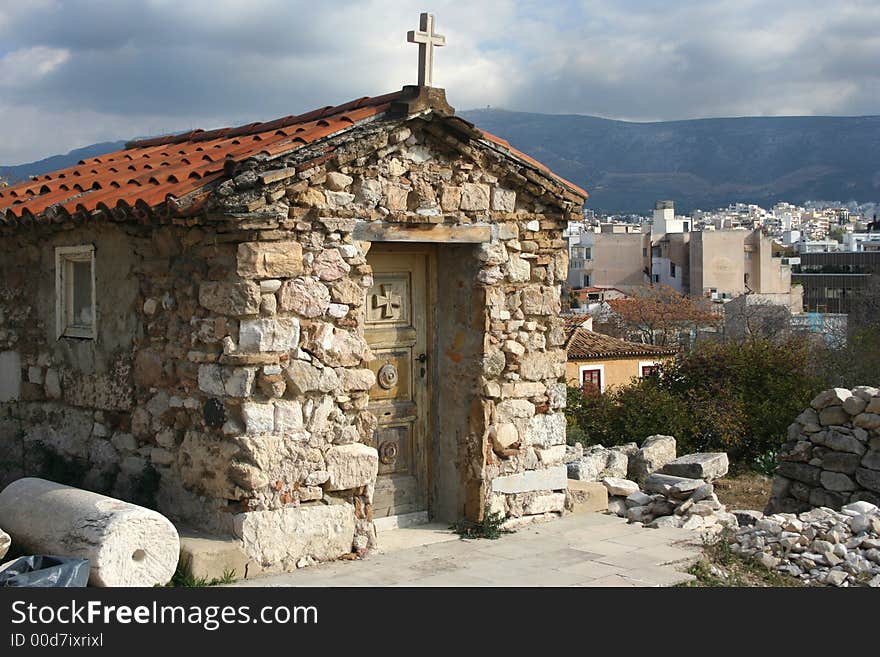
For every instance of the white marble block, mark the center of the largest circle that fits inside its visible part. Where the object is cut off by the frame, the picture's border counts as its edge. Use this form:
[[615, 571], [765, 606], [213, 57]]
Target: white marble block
[[126, 545]]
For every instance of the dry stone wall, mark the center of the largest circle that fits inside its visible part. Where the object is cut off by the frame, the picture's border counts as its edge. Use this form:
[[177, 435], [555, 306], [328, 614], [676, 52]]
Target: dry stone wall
[[832, 456], [230, 382]]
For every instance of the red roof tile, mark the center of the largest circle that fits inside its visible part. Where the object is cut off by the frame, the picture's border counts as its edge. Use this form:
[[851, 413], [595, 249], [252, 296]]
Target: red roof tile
[[149, 171], [587, 345]]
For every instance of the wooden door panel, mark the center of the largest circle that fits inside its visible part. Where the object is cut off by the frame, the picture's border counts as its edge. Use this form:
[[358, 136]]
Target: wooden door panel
[[393, 370], [399, 494], [395, 449]]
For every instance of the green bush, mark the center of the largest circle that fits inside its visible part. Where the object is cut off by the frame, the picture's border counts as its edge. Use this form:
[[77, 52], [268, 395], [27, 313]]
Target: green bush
[[733, 397]]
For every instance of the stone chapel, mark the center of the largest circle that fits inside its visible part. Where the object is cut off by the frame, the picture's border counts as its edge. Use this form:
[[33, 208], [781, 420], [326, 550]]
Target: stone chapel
[[288, 333]]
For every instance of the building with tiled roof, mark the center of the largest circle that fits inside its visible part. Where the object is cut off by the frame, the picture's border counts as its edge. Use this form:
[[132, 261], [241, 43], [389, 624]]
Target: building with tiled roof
[[604, 361], [289, 333]]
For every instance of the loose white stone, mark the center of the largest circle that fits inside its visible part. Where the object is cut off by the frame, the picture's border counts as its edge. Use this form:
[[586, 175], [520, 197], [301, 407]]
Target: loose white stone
[[656, 451], [617, 486], [707, 466], [638, 498], [126, 545], [617, 506], [835, 578], [5, 542], [859, 508]]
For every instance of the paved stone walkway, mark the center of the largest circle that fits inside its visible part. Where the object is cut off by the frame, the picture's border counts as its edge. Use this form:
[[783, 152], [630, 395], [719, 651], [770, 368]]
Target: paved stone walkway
[[576, 550]]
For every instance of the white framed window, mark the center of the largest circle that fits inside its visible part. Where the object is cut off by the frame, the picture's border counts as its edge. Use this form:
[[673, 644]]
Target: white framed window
[[648, 368], [75, 292], [592, 375]]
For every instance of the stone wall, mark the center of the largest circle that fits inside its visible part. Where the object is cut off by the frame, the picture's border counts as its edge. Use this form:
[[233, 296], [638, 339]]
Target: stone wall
[[231, 375], [832, 456], [65, 405]]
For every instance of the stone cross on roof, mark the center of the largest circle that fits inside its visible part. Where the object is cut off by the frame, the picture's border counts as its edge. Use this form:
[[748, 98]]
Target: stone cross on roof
[[426, 39]]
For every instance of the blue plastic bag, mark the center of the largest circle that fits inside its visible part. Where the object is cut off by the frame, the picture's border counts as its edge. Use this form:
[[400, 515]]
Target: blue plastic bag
[[46, 571]]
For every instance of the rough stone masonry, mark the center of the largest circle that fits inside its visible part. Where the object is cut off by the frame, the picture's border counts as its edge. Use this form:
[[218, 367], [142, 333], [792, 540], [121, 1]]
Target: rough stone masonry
[[229, 380], [832, 456]]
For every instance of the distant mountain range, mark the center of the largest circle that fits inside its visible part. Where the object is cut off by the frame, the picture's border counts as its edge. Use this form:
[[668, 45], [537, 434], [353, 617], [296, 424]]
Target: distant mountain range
[[700, 163]]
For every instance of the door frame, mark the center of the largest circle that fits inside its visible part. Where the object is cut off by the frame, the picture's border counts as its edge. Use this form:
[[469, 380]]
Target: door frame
[[429, 251]]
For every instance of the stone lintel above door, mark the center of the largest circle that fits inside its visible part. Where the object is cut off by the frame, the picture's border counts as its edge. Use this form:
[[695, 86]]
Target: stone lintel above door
[[378, 231]]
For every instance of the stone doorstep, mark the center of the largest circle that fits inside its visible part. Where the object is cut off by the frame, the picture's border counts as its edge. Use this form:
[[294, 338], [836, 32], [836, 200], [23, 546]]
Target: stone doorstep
[[401, 521], [209, 557], [412, 536]]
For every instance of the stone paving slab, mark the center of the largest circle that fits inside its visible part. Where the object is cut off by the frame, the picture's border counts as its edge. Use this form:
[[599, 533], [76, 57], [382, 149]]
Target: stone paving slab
[[576, 550]]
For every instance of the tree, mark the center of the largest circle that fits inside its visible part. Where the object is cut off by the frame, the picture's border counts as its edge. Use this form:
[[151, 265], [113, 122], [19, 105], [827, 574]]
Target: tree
[[749, 316], [658, 314], [836, 234], [732, 397]]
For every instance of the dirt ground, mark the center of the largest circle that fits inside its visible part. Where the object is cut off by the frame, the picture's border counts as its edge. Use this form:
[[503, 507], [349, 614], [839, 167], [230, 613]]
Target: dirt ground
[[744, 491]]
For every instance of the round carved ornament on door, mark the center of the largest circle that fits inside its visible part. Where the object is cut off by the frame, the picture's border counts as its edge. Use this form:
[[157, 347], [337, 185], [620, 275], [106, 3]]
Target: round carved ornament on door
[[388, 452], [387, 376]]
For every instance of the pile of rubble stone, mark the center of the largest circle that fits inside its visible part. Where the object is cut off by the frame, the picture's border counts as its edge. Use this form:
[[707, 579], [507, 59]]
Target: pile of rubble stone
[[653, 487], [836, 548]]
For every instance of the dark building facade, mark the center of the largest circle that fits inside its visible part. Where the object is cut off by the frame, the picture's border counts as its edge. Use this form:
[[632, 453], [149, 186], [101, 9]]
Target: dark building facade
[[832, 280]]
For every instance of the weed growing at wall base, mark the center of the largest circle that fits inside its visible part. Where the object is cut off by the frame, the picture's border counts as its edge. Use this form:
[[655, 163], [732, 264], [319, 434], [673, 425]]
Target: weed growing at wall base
[[491, 527]]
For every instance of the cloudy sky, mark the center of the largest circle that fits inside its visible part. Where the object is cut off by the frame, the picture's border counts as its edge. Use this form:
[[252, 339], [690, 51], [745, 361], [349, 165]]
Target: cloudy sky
[[74, 72]]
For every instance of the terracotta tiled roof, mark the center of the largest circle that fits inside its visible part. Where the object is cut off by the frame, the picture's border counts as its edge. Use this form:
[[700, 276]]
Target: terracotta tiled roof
[[148, 172], [504, 144], [151, 172], [571, 322], [587, 345]]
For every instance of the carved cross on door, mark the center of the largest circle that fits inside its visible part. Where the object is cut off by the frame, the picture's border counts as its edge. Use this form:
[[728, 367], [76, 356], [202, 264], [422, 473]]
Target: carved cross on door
[[388, 301], [427, 39]]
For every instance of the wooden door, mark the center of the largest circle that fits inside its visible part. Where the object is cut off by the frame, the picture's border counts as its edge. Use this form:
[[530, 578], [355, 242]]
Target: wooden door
[[397, 328]]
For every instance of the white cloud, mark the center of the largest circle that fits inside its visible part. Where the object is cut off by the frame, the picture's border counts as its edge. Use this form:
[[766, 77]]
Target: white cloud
[[146, 67], [26, 66]]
